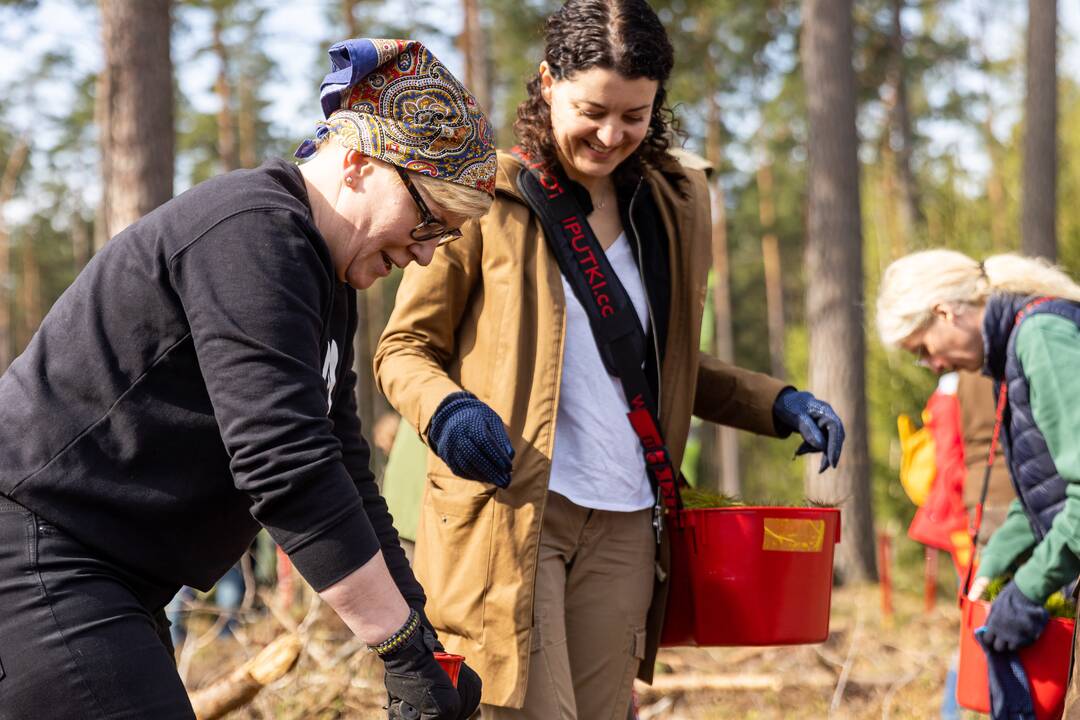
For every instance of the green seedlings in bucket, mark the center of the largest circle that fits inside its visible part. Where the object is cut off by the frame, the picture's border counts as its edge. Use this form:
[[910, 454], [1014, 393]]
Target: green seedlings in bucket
[[1057, 604], [700, 499], [1061, 606]]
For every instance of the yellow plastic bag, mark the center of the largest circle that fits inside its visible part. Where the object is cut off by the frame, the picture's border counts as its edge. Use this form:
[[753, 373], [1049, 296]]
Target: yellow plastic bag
[[917, 465]]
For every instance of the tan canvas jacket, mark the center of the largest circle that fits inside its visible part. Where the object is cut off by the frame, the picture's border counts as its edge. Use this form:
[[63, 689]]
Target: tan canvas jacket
[[487, 315]]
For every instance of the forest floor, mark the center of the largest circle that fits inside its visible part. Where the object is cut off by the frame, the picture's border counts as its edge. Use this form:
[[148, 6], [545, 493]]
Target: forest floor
[[870, 667]]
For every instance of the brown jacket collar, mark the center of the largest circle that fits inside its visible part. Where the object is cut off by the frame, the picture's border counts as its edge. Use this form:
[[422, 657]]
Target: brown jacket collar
[[671, 174]]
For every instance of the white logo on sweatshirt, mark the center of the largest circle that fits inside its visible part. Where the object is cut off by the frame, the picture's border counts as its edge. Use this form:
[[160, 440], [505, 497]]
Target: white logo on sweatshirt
[[329, 372]]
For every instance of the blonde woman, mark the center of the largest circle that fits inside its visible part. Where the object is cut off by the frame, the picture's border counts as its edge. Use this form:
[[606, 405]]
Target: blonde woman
[[1016, 319]]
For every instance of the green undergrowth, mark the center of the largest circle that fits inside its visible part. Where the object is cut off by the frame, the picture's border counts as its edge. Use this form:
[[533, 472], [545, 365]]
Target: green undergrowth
[[700, 499]]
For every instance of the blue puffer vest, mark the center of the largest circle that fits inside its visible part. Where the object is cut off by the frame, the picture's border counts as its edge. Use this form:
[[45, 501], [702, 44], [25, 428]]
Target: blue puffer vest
[[1035, 477]]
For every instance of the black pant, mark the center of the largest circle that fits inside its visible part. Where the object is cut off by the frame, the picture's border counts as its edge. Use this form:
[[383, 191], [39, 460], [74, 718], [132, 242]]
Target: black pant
[[79, 636]]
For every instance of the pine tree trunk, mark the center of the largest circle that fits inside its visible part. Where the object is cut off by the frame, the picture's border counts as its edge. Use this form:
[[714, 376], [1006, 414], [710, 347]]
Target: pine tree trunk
[[995, 188], [726, 439], [834, 297], [370, 403], [995, 180], [29, 292], [228, 155], [774, 279], [81, 242], [135, 112], [1038, 224], [901, 132], [247, 125], [474, 48], [12, 168], [348, 17]]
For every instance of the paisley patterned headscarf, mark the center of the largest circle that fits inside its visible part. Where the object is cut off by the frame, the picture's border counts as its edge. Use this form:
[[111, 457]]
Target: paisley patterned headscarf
[[393, 100]]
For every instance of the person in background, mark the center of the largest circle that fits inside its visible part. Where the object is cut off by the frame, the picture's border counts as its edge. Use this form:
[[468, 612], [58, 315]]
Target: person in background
[[195, 383], [959, 416], [1016, 319], [403, 484], [552, 572]]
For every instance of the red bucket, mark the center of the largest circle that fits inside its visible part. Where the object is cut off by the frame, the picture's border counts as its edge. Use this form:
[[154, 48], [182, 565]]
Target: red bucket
[[1046, 664], [451, 665], [751, 576]]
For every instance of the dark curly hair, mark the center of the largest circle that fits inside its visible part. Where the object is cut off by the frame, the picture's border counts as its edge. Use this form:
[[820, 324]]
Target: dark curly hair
[[621, 35]]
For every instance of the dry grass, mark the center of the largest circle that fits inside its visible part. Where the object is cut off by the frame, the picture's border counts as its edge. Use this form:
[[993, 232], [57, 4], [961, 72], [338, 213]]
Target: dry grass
[[867, 669]]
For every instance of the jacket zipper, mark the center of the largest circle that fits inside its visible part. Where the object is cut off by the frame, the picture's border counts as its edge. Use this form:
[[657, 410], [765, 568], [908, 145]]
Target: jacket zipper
[[648, 303]]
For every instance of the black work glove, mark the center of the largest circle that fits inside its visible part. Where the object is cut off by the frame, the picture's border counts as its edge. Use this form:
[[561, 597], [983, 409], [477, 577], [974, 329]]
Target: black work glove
[[470, 438], [1014, 621], [469, 684], [820, 426], [417, 688]]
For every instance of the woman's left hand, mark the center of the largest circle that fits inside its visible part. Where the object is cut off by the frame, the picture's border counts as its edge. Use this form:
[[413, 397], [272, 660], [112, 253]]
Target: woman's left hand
[[1015, 620], [821, 428]]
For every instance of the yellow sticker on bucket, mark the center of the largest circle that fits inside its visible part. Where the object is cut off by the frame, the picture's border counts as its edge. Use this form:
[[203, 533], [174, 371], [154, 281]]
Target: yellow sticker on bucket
[[794, 535]]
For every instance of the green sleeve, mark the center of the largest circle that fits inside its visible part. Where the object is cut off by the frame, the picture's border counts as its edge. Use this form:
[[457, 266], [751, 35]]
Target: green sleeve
[[1011, 541], [1048, 347]]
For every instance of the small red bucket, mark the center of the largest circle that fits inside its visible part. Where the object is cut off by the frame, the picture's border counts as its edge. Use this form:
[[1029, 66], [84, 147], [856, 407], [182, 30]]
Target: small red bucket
[[451, 665], [1046, 663], [751, 576]]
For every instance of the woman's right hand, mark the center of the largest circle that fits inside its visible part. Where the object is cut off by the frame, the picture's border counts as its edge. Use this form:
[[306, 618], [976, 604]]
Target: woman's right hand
[[417, 687], [470, 438], [978, 588]]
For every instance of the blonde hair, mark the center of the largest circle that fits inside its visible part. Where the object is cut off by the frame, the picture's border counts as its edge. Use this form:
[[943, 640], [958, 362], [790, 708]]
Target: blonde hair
[[916, 284], [452, 197]]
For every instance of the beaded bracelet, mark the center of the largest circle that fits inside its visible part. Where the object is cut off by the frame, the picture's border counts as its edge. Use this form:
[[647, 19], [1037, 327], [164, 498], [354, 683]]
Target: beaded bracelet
[[399, 638]]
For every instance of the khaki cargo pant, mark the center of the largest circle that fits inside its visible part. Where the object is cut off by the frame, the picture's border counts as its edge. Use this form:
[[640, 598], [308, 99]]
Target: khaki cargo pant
[[594, 583], [1072, 697]]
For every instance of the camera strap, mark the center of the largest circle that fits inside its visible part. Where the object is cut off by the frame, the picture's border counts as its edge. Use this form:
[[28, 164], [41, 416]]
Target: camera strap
[[612, 318]]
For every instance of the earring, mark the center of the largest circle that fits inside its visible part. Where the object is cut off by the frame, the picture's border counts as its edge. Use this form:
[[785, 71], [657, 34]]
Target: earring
[[348, 181]]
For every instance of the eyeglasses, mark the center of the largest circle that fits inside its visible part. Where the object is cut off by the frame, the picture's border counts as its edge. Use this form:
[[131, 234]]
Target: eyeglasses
[[430, 227]]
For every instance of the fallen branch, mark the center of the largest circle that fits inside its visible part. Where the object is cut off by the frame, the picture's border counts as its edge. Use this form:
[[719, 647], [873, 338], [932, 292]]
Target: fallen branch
[[244, 683], [687, 683], [690, 683], [841, 683]]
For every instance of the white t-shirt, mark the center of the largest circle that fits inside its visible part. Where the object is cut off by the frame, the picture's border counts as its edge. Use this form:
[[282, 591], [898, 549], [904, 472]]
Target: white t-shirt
[[597, 461]]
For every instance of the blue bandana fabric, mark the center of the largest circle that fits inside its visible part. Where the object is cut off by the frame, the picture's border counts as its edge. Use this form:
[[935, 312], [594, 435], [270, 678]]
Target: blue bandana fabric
[[393, 100]]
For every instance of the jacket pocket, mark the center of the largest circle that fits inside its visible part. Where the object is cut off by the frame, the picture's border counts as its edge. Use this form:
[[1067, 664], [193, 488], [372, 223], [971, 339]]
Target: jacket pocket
[[453, 552]]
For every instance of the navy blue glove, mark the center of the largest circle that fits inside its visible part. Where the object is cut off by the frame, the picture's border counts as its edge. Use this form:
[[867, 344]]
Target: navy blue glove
[[1010, 692], [820, 427], [471, 440], [1014, 622]]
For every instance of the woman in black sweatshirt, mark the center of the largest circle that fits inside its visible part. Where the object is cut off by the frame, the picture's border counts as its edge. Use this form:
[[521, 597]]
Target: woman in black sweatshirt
[[195, 384]]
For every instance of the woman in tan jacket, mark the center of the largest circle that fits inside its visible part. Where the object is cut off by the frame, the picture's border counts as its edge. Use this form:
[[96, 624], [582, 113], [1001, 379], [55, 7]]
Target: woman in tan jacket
[[554, 584]]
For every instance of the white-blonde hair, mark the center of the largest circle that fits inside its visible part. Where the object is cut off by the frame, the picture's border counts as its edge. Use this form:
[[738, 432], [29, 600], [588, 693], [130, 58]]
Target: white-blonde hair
[[916, 284], [451, 197]]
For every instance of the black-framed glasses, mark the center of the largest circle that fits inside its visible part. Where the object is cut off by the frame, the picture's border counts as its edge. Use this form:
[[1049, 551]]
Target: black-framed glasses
[[430, 227]]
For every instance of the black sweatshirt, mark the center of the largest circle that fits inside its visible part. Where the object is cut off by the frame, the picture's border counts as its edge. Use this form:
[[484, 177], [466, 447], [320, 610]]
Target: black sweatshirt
[[195, 382]]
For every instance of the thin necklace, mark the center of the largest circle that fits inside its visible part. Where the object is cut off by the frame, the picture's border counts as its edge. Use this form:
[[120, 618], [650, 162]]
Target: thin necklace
[[599, 204]]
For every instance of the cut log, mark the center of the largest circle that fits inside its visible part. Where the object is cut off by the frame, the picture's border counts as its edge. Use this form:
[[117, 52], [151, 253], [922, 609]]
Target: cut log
[[244, 683]]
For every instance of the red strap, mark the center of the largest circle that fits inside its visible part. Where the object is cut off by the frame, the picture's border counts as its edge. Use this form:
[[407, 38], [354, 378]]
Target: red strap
[[657, 458]]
